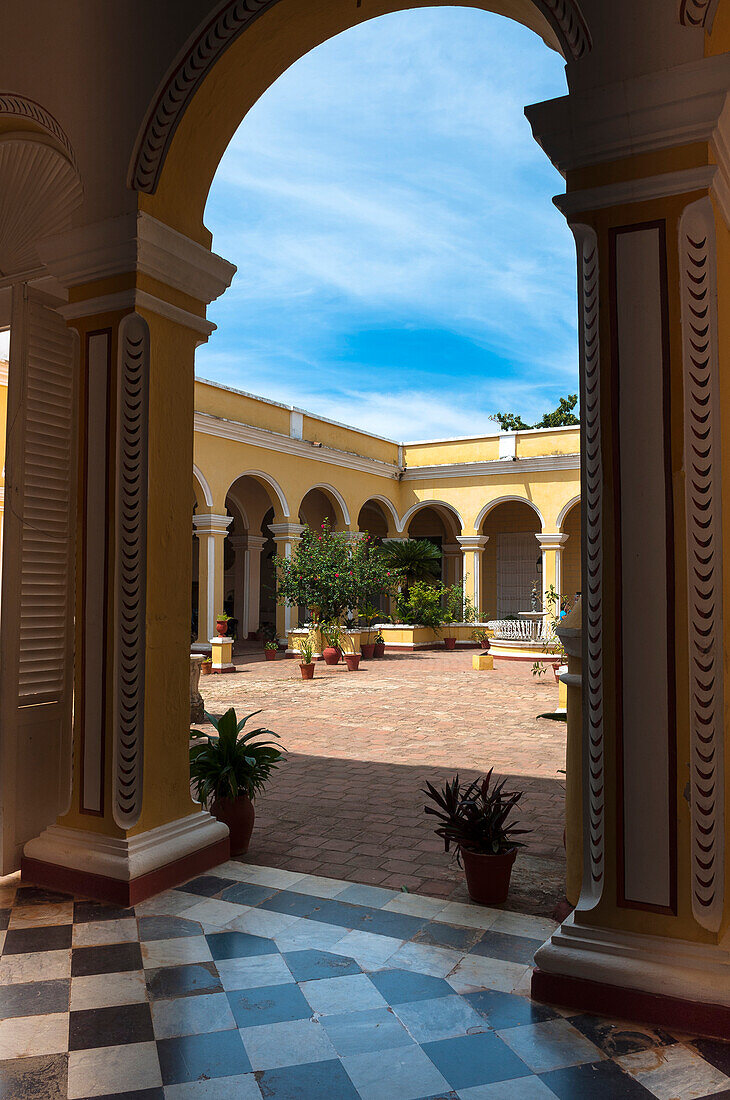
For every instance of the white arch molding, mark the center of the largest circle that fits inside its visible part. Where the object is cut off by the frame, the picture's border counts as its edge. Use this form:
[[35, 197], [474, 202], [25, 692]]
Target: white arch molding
[[270, 482], [508, 500], [564, 511], [429, 504], [389, 506], [200, 478], [325, 488]]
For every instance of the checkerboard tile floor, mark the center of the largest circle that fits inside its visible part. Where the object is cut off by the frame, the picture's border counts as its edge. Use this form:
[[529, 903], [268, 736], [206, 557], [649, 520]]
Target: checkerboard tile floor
[[254, 983]]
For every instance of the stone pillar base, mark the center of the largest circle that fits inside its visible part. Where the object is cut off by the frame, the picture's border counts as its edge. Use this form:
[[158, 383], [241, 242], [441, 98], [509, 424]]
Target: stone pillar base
[[124, 871], [675, 984], [482, 662]]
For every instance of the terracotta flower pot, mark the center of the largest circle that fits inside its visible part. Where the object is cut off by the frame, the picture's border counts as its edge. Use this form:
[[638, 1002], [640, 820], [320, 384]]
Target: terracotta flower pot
[[558, 671], [206, 668], [368, 650], [239, 815], [331, 655], [307, 671], [222, 627], [379, 649], [270, 654], [487, 876], [450, 643], [352, 660]]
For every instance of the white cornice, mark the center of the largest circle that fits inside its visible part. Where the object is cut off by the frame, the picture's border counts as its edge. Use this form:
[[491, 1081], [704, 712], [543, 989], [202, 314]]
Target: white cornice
[[538, 464], [131, 299], [284, 444], [652, 187]]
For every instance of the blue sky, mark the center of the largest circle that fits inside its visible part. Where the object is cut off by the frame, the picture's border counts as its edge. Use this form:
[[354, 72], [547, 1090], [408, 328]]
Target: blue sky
[[400, 264]]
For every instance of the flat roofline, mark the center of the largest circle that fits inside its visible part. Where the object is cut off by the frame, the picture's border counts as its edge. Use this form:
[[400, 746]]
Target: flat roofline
[[373, 435]]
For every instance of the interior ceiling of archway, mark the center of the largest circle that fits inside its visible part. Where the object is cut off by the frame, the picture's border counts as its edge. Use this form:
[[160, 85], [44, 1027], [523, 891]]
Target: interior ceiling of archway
[[391, 219]]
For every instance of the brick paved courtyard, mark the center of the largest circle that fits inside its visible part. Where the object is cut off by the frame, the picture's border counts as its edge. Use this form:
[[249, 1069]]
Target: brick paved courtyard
[[347, 804]]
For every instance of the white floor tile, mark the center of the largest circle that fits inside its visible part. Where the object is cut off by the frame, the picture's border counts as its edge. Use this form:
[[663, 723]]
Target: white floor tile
[[416, 906], [34, 916], [26, 1036], [554, 1044], [105, 1069], [107, 990], [213, 911], [253, 972], [263, 922], [475, 972], [468, 916], [669, 1072], [436, 961], [176, 952], [319, 887], [370, 951], [101, 932], [40, 966]]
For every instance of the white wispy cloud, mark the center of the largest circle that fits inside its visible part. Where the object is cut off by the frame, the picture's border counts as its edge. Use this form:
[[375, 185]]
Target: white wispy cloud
[[389, 179]]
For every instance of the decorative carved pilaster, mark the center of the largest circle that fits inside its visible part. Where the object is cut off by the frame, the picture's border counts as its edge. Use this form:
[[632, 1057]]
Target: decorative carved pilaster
[[130, 568], [592, 494], [231, 20], [704, 557], [697, 13]]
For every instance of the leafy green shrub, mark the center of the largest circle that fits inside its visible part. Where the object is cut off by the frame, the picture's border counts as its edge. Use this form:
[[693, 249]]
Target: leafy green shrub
[[421, 605], [230, 765]]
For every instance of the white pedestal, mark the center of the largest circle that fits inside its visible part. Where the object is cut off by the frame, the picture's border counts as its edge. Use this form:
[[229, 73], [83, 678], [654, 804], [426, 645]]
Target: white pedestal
[[222, 654]]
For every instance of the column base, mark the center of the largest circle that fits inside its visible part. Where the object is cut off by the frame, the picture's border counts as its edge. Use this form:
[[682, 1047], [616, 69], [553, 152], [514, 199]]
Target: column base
[[223, 669], [649, 979], [124, 871]]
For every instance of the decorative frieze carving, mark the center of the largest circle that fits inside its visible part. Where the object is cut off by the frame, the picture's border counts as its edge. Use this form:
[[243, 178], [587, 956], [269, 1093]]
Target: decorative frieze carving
[[588, 282], [22, 107], [697, 13], [231, 20], [130, 568], [704, 557]]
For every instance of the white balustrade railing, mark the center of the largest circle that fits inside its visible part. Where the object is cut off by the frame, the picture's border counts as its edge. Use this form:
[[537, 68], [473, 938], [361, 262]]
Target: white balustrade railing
[[521, 630]]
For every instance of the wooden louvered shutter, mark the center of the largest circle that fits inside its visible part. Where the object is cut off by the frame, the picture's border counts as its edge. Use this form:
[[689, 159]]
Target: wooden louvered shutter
[[37, 622]]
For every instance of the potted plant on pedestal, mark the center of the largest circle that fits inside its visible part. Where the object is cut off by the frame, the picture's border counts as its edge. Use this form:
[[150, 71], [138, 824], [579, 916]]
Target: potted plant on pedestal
[[228, 771], [221, 624], [206, 666], [271, 648], [475, 821], [306, 652]]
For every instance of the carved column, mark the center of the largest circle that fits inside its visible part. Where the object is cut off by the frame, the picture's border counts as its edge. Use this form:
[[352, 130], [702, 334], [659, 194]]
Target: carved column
[[551, 545], [287, 537], [211, 530], [472, 548], [254, 546]]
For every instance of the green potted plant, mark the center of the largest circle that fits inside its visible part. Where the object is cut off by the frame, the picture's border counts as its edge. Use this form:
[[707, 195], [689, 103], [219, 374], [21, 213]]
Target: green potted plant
[[306, 652], [352, 658], [474, 820], [454, 610], [271, 648], [221, 624], [332, 638], [379, 647], [230, 770], [206, 666], [367, 643]]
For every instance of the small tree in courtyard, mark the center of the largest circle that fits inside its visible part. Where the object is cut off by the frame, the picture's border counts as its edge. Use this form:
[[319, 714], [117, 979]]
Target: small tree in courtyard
[[331, 575]]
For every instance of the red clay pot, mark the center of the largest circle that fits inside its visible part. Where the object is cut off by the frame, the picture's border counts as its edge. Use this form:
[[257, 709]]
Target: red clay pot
[[222, 627], [331, 655], [379, 649], [206, 668], [450, 643], [368, 650], [270, 654], [307, 671], [487, 876], [239, 815], [352, 660]]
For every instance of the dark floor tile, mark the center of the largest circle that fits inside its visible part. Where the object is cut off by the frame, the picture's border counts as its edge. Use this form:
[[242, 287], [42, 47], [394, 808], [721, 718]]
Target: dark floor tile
[[247, 893], [714, 1052], [206, 885], [85, 911], [507, 1009], [111, 959], [597, 1080], [286, 901], [110, 1027], [271, 1004], [239, 945], [616, 1037], [473, 1060], [144, 1094], [37, 895], [40, 1078], [167, 928], [308, 965], [200, 1057], [500, 945], [384, 923], [446, 935], [405, 986], [34, 999], [312, 1081], [442, 1096], [4, 918], [24, 941], [182, 981]]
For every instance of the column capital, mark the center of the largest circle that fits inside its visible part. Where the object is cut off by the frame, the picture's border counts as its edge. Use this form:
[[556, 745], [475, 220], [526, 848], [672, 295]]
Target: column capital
[[450, 548], [209, 523], [286, 532], [475, 543], [355, 536], [395, 538], [551, 540], [256, 542]]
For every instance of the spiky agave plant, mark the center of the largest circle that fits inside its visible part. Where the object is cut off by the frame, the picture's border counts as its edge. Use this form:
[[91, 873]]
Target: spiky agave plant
[[475, 817], [232, 764]]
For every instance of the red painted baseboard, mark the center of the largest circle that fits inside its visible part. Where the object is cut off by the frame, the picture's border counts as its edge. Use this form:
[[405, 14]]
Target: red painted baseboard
[[690, 1017], [114, 891]]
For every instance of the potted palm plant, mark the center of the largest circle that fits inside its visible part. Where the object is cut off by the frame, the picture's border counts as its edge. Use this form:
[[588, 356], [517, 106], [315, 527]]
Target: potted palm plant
[[332, 637], [474, 820], [379, 648], [306, 652], [230, 770]]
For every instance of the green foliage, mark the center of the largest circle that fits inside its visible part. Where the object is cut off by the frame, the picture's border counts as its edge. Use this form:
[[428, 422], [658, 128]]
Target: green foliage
[[454, 603], [271, 644], [232, 763], [330, 573], [420, 605], [561, 417], [413, 560], [222, 617], [306, 649], [475, 818]]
